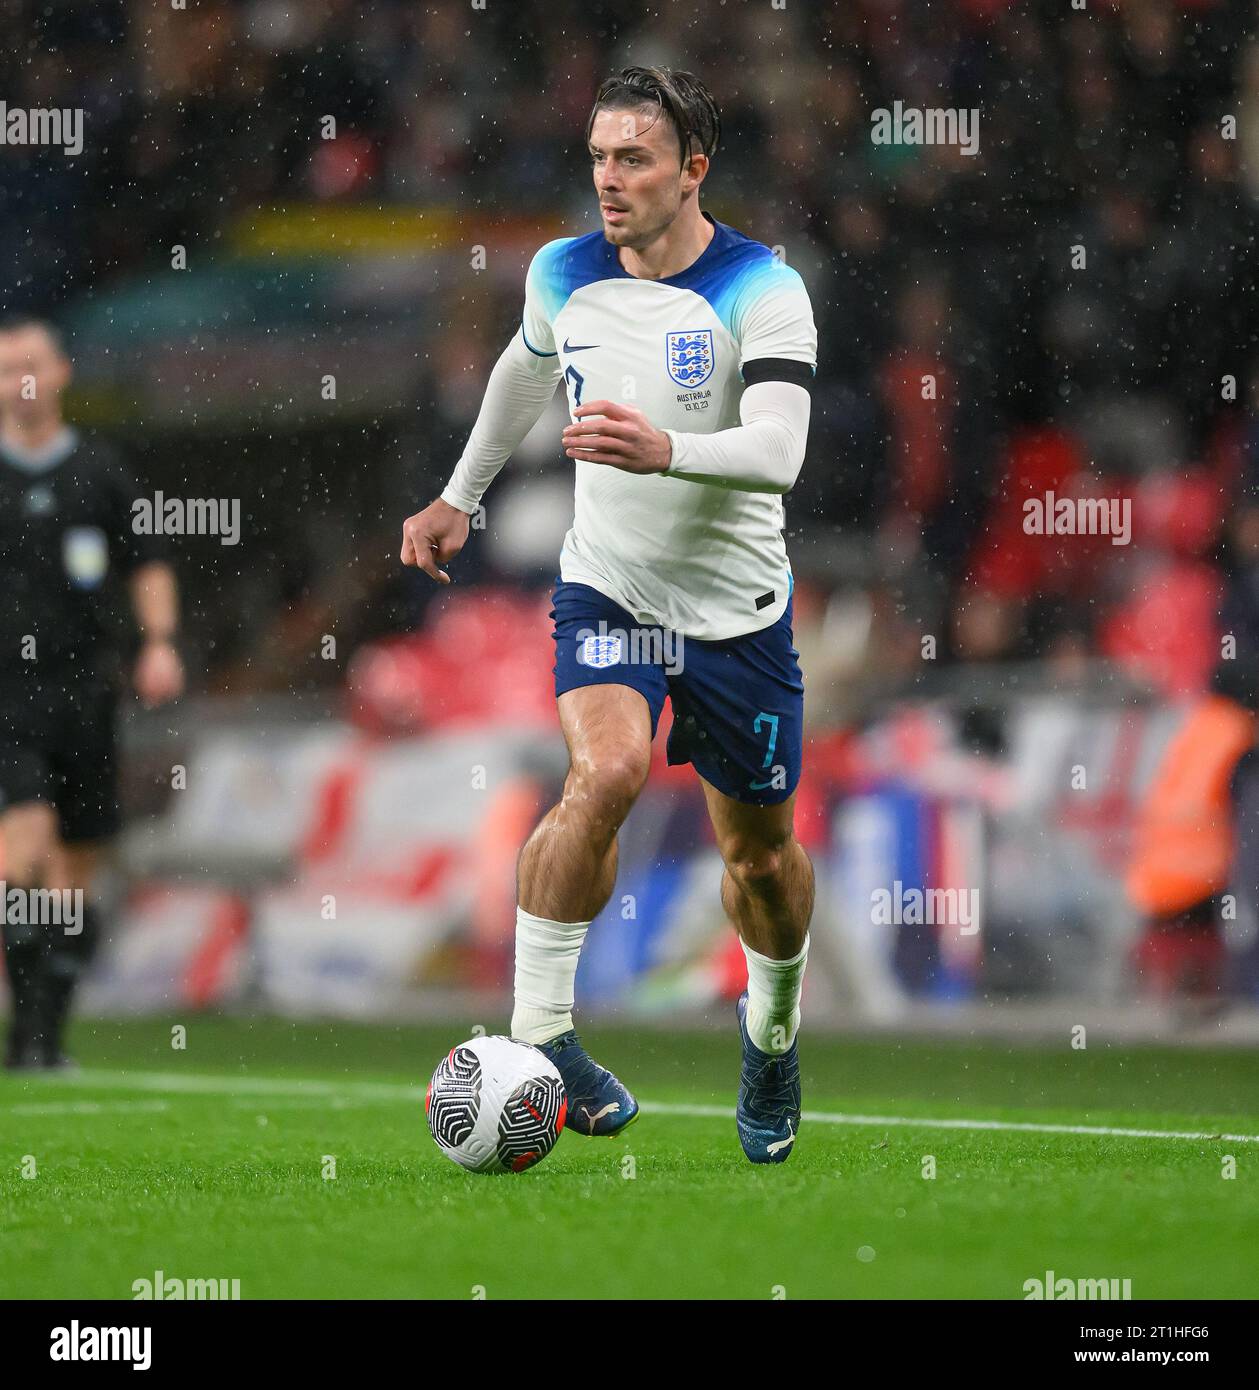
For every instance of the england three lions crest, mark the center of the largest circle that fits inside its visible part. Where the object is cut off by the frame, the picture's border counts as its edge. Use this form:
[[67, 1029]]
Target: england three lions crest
[[690, 357]]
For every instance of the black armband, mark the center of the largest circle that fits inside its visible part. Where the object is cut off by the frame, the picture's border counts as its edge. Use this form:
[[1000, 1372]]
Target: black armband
[[777, 369]]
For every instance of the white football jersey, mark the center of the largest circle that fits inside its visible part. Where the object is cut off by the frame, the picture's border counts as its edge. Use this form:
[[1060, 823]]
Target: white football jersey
[[704, 560]]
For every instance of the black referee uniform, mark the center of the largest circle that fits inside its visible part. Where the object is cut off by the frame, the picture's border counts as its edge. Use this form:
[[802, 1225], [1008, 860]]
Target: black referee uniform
[[67, 545]]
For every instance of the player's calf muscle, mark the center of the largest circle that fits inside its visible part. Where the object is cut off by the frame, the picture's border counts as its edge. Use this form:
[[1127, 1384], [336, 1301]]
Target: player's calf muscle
[[768, 896], [568, 868], [563, 877]]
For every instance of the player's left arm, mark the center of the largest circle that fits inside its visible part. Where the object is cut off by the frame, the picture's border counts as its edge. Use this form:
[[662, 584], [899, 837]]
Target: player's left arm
[[154, 591], [159, 672], [762, 454], [765, 451]]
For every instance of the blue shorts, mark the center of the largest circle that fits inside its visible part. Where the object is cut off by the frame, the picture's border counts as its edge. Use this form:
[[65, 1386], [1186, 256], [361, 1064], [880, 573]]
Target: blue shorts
[[738, 704]]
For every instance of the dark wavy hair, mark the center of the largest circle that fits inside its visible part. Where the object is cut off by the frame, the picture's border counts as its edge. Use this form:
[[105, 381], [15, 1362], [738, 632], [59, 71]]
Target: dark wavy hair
[[681, 96], [17, 323]]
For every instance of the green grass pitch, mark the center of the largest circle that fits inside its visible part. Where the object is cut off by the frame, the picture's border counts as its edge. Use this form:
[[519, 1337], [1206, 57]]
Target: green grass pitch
[[210, 1163]]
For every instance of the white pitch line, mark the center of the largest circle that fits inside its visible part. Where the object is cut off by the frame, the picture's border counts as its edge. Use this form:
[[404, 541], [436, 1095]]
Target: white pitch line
[[91, 1107], [262, 1086], [337, 1102], [198, 1083], [822, 1117]]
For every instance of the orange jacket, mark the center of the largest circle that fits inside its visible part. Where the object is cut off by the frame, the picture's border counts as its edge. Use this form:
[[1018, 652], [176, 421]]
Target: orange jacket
[[1183, 842]]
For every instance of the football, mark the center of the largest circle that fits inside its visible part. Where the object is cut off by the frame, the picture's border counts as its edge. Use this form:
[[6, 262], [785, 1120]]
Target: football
[[496, 1105]]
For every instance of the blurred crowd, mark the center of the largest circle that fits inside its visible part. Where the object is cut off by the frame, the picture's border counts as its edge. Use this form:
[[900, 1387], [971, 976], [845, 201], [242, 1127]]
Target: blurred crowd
[[1081, 292]]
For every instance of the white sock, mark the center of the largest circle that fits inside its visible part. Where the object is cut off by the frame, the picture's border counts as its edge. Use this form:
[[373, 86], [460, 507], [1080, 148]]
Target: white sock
[[546, 969], [774, 998]]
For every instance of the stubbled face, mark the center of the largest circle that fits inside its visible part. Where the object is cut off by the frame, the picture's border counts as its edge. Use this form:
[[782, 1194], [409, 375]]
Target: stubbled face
[[31, 365], [637, 174]]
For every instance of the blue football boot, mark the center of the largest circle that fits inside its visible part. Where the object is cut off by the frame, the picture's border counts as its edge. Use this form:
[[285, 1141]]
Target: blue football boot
[[598, 1105], [768, 1113]]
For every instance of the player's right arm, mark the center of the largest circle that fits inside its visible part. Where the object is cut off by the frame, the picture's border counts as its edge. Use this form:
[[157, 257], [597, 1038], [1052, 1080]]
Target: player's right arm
[[519, 389]]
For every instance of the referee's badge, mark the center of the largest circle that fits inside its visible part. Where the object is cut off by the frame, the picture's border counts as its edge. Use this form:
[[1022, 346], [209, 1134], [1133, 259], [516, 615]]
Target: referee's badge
[[601, 650], [690, 356], [85, 554]]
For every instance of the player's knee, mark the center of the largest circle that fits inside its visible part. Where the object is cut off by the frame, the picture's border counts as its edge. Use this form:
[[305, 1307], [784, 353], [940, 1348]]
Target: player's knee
[[30, 836], [758, 865], [610, 780]]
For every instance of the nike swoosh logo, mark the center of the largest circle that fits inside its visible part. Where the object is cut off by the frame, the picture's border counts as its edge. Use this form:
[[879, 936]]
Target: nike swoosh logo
[[595, 1118], [782, 1143], [578, 347]]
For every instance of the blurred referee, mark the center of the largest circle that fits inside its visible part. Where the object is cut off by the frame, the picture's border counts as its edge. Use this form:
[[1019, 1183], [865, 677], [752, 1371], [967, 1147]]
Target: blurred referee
[[66, 537]]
